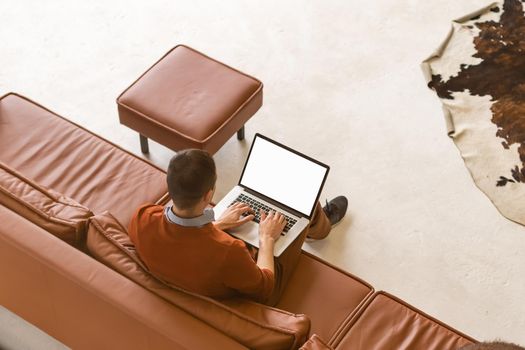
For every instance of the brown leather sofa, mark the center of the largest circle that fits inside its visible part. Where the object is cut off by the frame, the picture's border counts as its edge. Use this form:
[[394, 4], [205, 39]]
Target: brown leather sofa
[[68, 267]]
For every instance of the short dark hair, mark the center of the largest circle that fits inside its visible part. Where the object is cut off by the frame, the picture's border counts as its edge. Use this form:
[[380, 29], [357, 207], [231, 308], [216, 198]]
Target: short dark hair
[[493, 345], [191, 174]]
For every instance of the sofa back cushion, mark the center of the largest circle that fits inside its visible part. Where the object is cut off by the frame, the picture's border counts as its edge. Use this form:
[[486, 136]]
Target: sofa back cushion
[[254, 325], [54, 212]]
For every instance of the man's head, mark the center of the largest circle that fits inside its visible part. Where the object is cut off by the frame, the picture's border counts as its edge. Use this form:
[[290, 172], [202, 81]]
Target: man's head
[[191, 178]]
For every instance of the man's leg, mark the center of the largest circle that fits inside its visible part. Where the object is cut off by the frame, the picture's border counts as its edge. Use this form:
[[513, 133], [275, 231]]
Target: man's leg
[[320, 225], [285, 264], [284, 267]]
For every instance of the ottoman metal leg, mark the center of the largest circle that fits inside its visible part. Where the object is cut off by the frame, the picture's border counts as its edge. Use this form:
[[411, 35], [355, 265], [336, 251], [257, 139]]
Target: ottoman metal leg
[[240, 134], [144, 144]]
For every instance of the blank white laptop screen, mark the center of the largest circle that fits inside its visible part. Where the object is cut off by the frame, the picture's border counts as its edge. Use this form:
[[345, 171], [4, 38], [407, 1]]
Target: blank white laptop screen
[[283, 175]]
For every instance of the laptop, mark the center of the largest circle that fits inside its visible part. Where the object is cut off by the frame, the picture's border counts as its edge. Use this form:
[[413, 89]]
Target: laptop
[[276, 177]]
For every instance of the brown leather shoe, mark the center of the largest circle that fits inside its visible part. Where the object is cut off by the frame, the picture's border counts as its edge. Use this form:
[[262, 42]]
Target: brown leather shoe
[[336, 209]]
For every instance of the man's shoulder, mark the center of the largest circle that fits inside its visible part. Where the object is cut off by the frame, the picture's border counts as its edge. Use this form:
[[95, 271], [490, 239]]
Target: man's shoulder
[[145, 214], [148, 209]]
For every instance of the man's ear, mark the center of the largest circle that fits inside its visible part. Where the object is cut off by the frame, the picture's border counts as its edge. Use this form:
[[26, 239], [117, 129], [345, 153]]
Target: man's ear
[[209, 195]]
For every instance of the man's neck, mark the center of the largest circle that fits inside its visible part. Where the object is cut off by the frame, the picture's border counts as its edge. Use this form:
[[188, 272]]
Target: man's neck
[[187, 214]]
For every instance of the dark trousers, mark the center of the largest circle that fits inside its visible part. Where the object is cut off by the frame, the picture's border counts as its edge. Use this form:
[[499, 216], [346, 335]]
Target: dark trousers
[[285, 264]]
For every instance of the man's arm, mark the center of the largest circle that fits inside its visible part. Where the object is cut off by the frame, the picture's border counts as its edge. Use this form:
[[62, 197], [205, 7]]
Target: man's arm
[[255, 279], [243, 274]]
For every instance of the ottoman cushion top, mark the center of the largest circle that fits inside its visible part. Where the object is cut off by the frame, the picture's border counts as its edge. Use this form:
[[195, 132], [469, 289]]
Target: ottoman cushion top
[[190, 93]]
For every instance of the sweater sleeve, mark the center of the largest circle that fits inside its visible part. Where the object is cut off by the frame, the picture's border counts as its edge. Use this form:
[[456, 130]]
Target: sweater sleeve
[[242, 274]]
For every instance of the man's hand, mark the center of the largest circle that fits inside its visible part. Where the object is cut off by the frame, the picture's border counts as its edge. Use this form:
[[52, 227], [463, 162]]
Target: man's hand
[[271, 226], [231, 217]]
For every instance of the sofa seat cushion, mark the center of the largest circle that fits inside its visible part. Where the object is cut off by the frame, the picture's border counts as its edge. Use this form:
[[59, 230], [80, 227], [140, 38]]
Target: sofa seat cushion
[[56, 213], [254, 325], [328, 295], [390, 323], [61, 155]]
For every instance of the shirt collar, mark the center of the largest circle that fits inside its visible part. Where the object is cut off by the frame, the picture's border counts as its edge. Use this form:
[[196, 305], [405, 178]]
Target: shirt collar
[[199, 221]]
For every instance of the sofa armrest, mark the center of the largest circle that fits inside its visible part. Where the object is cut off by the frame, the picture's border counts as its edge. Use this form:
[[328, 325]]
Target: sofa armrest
[[83, 303]]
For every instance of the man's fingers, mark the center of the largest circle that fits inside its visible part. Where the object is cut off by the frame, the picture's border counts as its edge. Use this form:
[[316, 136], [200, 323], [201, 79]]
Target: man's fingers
[[247, 218], [263, 214], [244, 208], [241, 206]]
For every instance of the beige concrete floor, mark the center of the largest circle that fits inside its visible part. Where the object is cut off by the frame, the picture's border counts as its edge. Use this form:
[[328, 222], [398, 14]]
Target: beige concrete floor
[[342, 84], [17, 334]]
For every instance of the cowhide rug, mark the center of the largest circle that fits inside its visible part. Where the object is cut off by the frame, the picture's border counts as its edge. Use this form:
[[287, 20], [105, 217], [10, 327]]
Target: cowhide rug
[[479, 75]]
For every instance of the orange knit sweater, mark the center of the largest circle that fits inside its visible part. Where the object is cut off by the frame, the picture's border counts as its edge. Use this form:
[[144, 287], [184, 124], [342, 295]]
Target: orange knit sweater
[[203, 259]]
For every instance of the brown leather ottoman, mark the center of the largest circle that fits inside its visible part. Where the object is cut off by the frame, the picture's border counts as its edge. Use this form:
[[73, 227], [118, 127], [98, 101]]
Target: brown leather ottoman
[[189, 100]]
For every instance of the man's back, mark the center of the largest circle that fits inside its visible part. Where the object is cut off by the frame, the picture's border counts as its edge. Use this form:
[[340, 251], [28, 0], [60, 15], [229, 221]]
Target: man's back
[[195, 255]]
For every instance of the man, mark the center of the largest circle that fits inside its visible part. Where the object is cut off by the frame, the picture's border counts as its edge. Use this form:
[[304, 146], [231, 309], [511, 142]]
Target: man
[[184, 245]]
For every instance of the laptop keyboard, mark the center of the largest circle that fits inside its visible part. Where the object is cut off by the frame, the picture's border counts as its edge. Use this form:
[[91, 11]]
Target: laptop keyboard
[[256, 205]]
